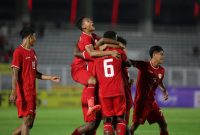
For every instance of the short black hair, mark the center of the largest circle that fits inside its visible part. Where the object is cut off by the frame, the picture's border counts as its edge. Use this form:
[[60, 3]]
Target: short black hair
[[110, 34], [122, 40], [26, 31], [80, 22], [155, 49]]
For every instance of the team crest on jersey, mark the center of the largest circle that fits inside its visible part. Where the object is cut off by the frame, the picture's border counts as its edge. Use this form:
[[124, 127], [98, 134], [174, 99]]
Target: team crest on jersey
[[159, 76]]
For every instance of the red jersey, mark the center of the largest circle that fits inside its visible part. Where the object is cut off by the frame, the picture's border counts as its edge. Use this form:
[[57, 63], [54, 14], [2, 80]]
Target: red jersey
[[84, 40], [26, 61], [108, 71], [148, 80]]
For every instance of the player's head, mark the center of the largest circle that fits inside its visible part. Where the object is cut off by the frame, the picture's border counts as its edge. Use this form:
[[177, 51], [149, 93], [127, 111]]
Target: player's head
[[157, 53], [111, 35], [28, 34], [122, 40], [85, 24]]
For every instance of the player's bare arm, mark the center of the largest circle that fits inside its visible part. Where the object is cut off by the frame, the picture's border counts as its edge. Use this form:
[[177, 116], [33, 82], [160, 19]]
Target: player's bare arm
[[95, 53], [129, 63], [77, 52], [164, 90], [104, 46], [13, 94], [47, 77], [103, 41], [106, 42]]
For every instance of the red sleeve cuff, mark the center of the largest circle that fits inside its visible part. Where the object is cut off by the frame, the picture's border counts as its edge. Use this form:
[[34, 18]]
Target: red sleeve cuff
[[14, 66]]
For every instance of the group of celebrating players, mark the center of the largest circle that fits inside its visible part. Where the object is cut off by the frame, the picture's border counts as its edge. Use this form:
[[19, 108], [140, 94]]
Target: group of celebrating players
[[101, 66]]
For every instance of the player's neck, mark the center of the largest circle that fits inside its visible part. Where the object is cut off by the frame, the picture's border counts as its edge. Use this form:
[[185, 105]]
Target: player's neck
[[26, 45], [88, 32], [154, 63]]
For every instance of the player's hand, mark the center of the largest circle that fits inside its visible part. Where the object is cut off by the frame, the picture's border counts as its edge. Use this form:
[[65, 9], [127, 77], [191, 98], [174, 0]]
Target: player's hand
[[13, 96], [55, 79], [122, 45], [165, 95], [115, 54], [103, 47]]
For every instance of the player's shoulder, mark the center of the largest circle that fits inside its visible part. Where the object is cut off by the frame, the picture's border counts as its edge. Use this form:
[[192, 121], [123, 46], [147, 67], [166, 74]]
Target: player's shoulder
[[33, 50], [95, 36], [161, 68], [18, 49], [145, 63], [97, 61], [85, 35]]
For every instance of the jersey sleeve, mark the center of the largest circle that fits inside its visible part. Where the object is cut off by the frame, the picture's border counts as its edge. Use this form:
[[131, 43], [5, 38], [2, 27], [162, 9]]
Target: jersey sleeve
[[87, 56], [84, 41], [138, 64], [123, 54], [16, 61]]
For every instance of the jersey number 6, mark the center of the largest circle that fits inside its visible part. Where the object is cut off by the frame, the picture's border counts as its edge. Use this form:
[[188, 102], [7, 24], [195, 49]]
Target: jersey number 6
[[108, 68]]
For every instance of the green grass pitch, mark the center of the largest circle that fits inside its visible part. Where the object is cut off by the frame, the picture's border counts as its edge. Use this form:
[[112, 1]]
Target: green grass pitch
[[63, 121]]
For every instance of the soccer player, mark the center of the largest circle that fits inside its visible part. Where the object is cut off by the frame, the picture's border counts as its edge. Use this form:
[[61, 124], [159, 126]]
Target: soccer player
[[108, 71], [81, 71], [150, 76], [24, 74]]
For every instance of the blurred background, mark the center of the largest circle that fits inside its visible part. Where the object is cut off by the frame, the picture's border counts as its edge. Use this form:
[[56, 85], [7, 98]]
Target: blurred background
[[172, 24]]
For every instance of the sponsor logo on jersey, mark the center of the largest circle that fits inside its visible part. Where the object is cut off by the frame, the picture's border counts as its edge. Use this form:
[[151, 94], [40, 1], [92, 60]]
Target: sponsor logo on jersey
[[159, 76]]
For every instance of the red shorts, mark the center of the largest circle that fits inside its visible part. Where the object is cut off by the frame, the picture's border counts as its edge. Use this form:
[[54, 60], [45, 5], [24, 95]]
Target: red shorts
[[80, 75], [150, 112], [26, 107], [85, 106], [113, 106]]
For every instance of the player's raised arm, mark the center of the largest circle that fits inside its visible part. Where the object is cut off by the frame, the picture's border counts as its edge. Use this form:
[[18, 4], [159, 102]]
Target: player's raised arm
[[136, 63], [164, 90], [84, 55], [104, 41], [104, 46], [13, 94], [128, 63], [47, 77], [95, 53]]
